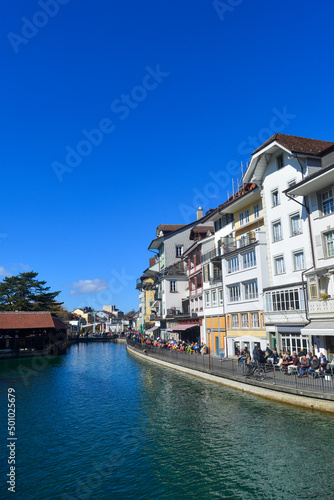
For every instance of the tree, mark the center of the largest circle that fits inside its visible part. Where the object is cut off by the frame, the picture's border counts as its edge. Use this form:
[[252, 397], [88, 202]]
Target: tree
[[26, 293], [62, 313]]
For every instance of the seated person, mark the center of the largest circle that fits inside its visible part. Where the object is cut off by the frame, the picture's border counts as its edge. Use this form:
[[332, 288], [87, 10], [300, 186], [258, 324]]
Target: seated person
[[323, 362], [242, 357], [293, 367], [304, 364], [314, 365], [203, 349], [287, 360]]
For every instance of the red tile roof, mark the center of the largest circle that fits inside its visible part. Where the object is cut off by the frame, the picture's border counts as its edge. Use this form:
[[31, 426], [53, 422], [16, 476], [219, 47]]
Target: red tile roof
[[169, 228], [297, 144], [27, 320]]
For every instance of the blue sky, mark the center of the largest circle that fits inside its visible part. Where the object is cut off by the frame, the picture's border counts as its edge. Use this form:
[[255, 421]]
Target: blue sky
[[120, 116]]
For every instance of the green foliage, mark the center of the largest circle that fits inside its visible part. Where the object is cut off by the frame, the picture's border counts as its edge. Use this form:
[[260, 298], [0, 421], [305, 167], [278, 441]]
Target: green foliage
[[25, 293]]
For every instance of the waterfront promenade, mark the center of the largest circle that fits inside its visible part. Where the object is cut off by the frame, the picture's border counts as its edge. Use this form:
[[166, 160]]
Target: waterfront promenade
[[315, 393]]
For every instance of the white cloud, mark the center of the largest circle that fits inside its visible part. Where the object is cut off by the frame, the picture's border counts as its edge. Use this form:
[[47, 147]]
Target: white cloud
[[25, 267], [88, 286], [4, 272]]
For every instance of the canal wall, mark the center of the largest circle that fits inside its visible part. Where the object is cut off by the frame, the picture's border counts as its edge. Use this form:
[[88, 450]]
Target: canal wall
[[278, 394]]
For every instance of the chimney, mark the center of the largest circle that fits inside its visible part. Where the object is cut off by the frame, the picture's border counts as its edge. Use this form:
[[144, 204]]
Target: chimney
[[199, 213], [152, 261]]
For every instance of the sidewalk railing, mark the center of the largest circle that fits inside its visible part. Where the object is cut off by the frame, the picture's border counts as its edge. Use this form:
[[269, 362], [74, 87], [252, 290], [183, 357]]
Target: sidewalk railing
[[229, 368]]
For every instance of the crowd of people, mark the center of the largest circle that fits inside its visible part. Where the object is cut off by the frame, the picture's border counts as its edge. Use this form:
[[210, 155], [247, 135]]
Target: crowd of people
[[171, 345], [301, 363]]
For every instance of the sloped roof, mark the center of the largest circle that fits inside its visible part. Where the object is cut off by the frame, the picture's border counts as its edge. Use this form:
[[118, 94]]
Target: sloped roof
[[29, 320], [169, 228], [297, 144]]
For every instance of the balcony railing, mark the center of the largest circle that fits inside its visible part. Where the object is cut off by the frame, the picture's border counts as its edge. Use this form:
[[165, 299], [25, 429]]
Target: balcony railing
[[174, 312], [230, 244], [246, 240], [323, 308], [216, 279], [210, 255]]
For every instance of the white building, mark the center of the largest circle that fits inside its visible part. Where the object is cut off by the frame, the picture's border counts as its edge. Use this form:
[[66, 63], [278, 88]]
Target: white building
[[277, 165], [318, 192]]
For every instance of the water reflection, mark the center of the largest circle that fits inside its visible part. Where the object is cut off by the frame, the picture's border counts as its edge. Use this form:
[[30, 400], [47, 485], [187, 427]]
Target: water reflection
[[99, 423]]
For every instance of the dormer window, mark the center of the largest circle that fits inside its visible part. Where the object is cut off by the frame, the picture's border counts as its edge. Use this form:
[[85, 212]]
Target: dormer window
[[279, 162], [178, 251]]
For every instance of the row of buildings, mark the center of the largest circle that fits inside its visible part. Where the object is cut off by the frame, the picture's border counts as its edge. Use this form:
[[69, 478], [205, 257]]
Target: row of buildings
[[108, 320], [257, 269]]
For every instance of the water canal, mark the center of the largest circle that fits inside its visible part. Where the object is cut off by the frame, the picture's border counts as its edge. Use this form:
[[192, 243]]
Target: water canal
[[98, 423]]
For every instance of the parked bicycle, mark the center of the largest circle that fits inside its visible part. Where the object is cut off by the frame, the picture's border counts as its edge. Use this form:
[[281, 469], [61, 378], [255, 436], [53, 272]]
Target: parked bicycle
[[255, 370]]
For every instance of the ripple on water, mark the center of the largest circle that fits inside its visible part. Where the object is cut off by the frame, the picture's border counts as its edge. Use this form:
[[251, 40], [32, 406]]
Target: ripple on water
[[100, 423]]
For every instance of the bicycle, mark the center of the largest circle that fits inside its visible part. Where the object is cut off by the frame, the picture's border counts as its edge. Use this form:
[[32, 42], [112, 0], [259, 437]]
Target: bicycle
[[256, 371]]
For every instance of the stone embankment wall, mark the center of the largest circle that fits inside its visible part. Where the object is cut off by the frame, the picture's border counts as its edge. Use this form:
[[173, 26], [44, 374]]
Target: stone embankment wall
[[256, 389]]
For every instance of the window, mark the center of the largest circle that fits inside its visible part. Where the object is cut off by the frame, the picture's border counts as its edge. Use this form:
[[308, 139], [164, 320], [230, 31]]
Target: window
[[285, 300], [218, 224], [249, 259], [277, 231], [233, 264], [291, 343], [280, 162], [291, 183], [313, 291], [296, 224], [255, 320], [244, 320], [214, 298], [172, 286], [279, 265], [217, 273], [275, 198], [298, 260], [327, 202], [250, 289], [329, 240], [220, 294], [234, 291], [207, 299], [256, 211], [178, 251], [244, 217], [235, 321]]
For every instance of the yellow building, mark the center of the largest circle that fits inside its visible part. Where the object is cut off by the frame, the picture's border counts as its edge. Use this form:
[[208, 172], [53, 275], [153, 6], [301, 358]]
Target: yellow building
[[215, 333], [149, 298], [243, 265]]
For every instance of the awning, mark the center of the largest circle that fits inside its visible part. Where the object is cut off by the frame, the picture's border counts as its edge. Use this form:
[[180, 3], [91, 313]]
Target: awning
[[181, 328], [247, 338], [319, 328], [290, 329], [151, 330]]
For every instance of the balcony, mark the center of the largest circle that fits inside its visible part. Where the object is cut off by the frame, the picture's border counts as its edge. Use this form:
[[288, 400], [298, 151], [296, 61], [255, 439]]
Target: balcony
[[230, 244], [195, 269], [173, 312], [321, 309], [247, 239], [196, 291], [210, 255], [216, 279]]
